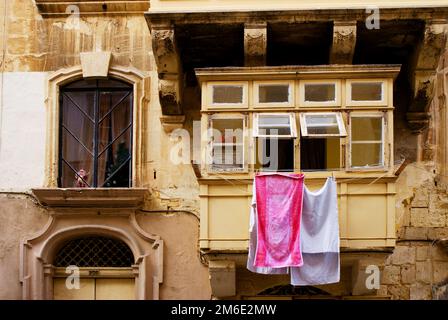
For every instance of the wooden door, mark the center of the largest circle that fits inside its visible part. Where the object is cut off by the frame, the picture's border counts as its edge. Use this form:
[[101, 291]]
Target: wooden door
[[95, 289]]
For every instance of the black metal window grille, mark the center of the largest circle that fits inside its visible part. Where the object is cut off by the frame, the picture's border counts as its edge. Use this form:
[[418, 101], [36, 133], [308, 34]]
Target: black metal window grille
[[95, 136], [94, 252]]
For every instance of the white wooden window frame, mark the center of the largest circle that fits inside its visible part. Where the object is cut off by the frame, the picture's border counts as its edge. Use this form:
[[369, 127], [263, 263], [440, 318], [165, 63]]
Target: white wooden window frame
[[366, 103], [304, 125], [382, 141], [331, 103], [210, 143], [292, 125], [210, 90], [285, 104]]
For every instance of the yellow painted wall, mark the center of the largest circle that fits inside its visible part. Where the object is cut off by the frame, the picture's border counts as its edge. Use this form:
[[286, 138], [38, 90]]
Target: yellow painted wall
[[366, 214]]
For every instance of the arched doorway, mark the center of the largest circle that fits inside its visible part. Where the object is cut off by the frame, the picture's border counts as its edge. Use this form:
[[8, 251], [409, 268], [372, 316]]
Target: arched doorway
[[94, 268]]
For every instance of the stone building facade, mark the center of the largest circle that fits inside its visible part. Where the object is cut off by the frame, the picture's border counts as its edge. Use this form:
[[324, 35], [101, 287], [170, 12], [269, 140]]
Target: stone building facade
[[155, 47]]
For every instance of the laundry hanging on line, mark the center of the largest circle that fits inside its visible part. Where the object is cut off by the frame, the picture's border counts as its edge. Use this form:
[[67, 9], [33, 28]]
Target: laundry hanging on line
[[253, 234], [278, 207], [318, 235]]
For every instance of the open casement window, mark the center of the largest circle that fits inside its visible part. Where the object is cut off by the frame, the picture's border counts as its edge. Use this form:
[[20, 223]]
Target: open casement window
[[320, 143], [226, 143], [280, 125], [320, 93], [274, 93], [227, 94], [322, 124], [366, 93], [274, 138], [367, 134]]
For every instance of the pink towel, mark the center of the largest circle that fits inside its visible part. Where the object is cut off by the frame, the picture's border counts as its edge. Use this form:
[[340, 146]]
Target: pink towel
[[279, 208]]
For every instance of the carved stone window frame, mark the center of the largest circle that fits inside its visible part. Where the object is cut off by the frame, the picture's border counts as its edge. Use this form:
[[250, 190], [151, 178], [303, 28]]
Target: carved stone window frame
[[141, 83]]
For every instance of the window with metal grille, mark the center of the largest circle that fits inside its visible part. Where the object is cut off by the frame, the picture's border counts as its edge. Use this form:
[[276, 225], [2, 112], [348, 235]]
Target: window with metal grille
[[95, 252], [95, 137]]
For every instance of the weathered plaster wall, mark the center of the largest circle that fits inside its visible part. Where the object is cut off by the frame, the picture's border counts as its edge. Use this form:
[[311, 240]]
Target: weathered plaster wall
[[35, 47], [20, 218], [36, 44], [185, 277], [22, 141]]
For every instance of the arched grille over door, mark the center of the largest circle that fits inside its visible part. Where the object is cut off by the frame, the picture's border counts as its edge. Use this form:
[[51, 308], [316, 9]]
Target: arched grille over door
[[95, 137], [95, 252]]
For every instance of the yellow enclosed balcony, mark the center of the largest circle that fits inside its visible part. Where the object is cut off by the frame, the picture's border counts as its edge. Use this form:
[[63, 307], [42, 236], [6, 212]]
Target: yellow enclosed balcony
[[322, 121]]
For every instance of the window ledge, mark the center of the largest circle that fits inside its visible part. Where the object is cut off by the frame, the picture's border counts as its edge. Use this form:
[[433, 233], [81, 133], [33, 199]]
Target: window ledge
[[91, 198]]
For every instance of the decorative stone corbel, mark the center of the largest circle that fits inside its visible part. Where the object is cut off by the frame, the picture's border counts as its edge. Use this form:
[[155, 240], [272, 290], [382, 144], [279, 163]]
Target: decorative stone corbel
[[168, 67], [427, 60], [255, 43], [169, 95], [171, 123], [95, 64], [344, 42]]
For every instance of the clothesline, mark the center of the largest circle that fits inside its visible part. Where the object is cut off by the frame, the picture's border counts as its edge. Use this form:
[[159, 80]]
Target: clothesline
[[325, 170], [332, 170]]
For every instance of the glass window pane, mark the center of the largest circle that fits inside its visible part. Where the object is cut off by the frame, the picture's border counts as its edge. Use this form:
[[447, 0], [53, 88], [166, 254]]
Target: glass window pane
[[113, 125], [269, 93], [77, 179], [109, 101], [227, 130], [366, 129], [274, 125], [228, 156], [227, 144], [320, 92], [366, 154], [227, 94], [274, 120], [109, 114], [114, 139], [83, 100], [322, 124], [367, 91], [79, 158], [112, 158], [78, 123]]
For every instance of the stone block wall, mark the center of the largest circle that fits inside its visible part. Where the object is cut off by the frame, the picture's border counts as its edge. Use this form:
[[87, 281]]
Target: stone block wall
[[418, 267], [33, 43]]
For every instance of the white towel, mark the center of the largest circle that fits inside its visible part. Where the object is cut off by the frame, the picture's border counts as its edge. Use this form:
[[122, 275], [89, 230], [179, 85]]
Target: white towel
[[253, 241], [319, 237]]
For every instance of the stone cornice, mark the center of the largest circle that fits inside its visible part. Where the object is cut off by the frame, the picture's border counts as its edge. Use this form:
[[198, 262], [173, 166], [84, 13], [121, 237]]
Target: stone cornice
[[292, 16], [66, 7]]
